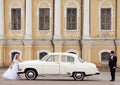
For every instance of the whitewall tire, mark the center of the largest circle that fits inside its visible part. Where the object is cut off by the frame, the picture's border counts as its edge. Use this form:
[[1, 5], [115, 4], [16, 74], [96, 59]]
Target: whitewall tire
[[78, 76]]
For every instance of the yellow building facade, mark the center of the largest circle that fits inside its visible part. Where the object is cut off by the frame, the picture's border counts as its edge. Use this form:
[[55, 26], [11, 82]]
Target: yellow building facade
[[33, 28]]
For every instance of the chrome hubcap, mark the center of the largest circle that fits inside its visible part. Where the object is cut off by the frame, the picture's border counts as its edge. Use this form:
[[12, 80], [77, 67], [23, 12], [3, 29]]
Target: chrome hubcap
[[78, 75], [30, 74]]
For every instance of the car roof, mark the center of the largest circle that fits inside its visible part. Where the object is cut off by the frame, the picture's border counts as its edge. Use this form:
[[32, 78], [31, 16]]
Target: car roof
[[69, 54]]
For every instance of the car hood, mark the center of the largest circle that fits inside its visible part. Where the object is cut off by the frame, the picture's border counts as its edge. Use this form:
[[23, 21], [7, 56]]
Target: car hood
[[30, 62]]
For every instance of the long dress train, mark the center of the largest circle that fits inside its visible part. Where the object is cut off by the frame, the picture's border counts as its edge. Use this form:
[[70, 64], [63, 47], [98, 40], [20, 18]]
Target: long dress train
[[11, 73]]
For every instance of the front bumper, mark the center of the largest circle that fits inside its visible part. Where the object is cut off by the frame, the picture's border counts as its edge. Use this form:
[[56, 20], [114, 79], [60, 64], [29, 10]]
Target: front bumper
[[20, 72], [97, 74]]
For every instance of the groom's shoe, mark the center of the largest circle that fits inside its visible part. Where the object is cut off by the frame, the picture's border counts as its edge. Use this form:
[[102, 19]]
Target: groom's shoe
[[112, 80]]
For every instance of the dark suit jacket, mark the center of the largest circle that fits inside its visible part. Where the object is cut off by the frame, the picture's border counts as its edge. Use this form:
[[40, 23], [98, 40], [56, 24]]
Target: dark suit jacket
[[112, 62]]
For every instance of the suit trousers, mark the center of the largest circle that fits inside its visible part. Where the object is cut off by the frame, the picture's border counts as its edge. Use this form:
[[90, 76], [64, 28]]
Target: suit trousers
[[112, 72]]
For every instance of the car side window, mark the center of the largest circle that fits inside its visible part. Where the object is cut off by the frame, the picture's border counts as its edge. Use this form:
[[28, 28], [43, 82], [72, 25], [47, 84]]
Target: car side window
[[53, 58], [65, 58]]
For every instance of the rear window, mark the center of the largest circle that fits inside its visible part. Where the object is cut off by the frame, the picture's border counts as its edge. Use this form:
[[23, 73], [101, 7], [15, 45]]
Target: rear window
[[65, 58]]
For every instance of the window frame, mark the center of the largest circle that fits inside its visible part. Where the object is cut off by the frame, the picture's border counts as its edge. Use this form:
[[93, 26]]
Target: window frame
[[39, 18], [78, 16], [100, 18], [105, 58], [100, 56], [76, 19], [11, 19], [105, 22], [66, 59]]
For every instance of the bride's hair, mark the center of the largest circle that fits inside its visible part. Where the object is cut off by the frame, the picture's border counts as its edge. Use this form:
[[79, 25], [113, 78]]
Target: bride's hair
[[17, 56]]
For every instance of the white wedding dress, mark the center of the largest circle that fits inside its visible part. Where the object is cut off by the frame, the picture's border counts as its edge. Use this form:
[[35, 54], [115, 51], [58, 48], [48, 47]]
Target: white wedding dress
[[11, 73]]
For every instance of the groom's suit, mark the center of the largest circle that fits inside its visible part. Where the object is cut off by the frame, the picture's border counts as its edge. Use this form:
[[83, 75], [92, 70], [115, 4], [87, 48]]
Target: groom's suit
[[112, 65]]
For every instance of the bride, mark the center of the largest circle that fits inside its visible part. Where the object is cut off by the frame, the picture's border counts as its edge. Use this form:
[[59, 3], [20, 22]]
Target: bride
[[11, 72]]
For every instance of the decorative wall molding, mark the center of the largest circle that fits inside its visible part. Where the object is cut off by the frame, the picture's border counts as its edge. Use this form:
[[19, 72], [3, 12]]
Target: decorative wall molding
[[71, 42], [44, 34], [101, 5], [77, 6], [16, 33], [40, 6], [106, 34], [72, 35]]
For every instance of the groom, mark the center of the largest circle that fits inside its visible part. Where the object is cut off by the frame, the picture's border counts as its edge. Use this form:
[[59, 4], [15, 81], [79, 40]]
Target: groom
[[112, 65]]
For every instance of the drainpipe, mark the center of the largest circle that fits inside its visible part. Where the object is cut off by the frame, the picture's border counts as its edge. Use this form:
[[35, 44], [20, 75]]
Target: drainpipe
[[53, 28], [115, 46], [52, 45], [114, 41], [22, 42], [81, 34]]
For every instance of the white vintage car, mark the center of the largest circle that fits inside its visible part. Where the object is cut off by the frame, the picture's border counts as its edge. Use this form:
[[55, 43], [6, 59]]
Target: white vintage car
[[65, 64]]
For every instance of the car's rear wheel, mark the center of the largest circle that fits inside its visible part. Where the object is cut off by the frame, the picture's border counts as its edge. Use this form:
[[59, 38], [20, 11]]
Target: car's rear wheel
[[78, 76], [31, 74]]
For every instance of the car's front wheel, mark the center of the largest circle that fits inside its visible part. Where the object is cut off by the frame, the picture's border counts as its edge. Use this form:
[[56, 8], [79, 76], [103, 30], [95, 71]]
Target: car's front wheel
[[30, 74], [78, 76]]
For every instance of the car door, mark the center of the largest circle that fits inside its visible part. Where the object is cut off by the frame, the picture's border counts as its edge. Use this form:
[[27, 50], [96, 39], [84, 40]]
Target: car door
[[51, 65], [67, 65]]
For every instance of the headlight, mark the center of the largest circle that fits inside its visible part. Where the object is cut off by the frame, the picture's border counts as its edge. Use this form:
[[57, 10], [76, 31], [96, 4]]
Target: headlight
[[19, 69]]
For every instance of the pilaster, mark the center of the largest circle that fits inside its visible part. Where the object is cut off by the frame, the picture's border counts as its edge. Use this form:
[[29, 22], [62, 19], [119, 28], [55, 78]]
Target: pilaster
[[86, 22], [1, 19], [57, 19], [28, 32]]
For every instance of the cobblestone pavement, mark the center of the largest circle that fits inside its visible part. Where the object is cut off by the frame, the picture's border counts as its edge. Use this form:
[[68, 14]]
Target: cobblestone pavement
[[102, 79]]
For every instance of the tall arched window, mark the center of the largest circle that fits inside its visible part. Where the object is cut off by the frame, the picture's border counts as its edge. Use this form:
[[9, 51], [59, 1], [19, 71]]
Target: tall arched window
[[42, 54], [105, 56], [71, 19], [105, 15]]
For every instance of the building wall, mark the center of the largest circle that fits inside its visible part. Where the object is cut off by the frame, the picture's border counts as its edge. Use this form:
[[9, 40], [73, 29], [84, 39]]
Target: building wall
[[70, 4], [71, 46], [8, 5], [118, 53], [1, 54], [95, 31], [89, 49], [8, 49], [36, 4], [41, 46]]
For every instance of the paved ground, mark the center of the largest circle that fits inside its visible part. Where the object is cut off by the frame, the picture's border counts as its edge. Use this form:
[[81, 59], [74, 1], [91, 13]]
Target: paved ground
[[102, 79]]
